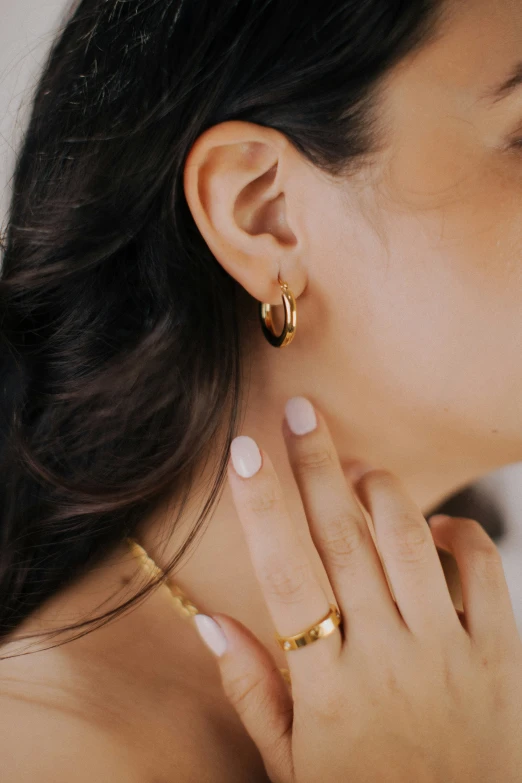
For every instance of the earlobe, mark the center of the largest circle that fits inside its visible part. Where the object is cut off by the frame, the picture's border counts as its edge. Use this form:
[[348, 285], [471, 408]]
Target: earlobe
[[234, 182]]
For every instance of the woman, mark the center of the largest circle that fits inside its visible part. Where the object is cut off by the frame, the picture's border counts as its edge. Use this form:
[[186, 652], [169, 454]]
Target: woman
[[184, 164]]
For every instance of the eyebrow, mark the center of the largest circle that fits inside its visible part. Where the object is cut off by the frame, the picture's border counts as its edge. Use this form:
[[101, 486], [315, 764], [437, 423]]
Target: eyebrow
[[501, 91]]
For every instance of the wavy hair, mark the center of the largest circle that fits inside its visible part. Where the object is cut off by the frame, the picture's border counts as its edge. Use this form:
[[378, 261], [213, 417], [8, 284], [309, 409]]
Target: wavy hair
[[120, 345]]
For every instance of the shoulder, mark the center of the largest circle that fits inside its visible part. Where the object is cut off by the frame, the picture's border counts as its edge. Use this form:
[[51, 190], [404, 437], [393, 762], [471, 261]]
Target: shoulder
[[53, 746], [38, 742]]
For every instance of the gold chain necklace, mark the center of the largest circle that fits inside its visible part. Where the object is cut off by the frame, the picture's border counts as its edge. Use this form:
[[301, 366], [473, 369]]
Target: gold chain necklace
[[182, 603]]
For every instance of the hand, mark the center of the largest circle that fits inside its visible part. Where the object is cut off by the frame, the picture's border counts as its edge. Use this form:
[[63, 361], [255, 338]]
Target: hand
[[404, 690]]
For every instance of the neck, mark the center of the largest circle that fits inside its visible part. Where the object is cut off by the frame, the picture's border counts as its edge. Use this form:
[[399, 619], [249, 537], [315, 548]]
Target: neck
[[216, 573]]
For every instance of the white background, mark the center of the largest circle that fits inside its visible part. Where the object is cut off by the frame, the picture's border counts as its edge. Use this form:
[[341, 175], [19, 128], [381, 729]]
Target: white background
[[25, 34]]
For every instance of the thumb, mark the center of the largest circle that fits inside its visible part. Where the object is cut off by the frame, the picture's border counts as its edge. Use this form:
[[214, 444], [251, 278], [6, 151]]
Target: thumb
[[256, 689]]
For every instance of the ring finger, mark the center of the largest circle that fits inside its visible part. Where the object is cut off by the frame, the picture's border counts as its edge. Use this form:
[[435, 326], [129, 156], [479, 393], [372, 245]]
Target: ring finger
[[337, 525]]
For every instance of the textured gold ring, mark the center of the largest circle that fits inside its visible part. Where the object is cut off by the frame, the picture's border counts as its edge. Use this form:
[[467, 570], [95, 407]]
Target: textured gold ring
[[319, 630]]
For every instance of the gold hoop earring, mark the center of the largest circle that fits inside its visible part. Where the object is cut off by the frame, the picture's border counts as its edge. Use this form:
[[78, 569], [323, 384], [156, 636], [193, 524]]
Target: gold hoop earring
[[265, 314]]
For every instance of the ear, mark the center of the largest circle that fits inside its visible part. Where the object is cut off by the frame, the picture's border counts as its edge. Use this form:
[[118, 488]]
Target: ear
[[239, 187]]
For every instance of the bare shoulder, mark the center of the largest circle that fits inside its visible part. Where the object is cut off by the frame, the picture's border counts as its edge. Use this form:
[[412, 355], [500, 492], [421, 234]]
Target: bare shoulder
[[103, 708], [51, 746]]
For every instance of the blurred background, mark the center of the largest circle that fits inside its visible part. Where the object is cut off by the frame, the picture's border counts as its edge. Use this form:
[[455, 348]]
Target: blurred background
[[26, 32]]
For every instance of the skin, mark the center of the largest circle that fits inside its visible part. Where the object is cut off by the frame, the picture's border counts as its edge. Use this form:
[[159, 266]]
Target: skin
[[407, 690], [409, 300]]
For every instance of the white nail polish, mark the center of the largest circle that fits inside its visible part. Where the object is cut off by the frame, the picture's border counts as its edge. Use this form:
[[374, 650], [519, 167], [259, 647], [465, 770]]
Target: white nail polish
[[211, 633], [246, 456], [300, 415]]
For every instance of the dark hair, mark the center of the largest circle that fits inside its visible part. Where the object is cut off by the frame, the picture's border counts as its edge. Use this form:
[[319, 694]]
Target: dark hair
[[120, 347]]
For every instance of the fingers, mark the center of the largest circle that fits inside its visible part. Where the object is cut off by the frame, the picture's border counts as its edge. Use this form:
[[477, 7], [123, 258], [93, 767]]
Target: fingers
[[337, 524], [340, 532], [291, 588], [257, 691], [409, 554], [485, 595]]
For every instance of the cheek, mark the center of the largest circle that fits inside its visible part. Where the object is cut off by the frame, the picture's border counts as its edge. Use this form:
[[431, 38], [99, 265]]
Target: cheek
[[441, 180], [434, 298]]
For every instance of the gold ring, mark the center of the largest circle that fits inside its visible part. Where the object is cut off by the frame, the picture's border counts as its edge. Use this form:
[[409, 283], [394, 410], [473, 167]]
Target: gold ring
[[323, 628]]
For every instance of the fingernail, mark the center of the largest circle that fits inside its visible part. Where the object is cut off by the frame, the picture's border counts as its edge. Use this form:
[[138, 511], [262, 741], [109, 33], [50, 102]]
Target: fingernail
[[211, 633], [300, 415], [246, 456]]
